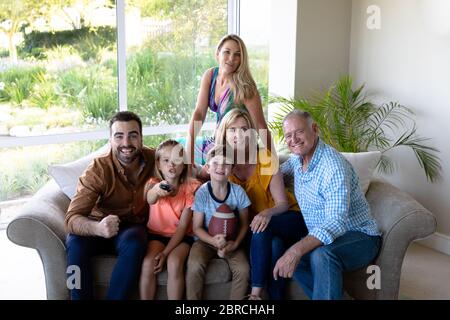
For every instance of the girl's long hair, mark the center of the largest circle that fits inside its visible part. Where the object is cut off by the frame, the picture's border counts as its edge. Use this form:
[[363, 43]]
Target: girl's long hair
[[242, 83], [177, 148]]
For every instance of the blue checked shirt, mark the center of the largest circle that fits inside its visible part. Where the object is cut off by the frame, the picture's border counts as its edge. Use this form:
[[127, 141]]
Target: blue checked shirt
[[329, 195]]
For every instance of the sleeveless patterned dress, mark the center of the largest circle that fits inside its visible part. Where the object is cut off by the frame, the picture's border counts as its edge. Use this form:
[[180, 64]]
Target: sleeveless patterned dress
[[226, 103]]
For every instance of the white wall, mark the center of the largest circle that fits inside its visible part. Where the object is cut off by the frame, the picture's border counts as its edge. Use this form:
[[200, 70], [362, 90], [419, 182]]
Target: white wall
[[408, 60], [309, 46], [323, 44]]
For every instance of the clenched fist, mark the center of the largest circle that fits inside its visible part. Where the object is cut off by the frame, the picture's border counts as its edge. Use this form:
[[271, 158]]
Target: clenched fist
[[108, 227]]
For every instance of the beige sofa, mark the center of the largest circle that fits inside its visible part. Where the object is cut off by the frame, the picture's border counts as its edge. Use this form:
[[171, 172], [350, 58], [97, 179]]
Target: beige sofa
[[40, 225]]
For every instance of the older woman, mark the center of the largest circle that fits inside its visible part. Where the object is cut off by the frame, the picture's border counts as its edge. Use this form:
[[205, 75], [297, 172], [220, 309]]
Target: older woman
[[225, 87], [256, 170]]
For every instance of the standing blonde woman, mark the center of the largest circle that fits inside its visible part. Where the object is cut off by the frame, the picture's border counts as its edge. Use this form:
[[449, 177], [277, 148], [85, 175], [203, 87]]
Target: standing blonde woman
[[225, 87]]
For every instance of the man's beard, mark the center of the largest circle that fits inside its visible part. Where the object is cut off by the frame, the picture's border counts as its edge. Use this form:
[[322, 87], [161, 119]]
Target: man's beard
[[127, 159]]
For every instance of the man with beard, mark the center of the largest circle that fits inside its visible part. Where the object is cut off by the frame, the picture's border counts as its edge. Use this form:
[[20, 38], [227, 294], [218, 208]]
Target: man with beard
[[108, 212]]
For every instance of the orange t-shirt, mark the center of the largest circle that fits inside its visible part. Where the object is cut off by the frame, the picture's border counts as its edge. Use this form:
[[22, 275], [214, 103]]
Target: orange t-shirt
[[257, 186], [165, 214]]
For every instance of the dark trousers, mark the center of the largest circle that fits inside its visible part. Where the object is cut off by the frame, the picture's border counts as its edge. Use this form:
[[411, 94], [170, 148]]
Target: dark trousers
[[130, 245], [268, 246]]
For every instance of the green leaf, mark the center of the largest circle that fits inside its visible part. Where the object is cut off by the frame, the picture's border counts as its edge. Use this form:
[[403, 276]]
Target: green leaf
[[350, 122]]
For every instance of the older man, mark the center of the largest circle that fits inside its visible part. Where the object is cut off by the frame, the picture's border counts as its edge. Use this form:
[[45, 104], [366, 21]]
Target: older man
[[108, 212], [342, 235]]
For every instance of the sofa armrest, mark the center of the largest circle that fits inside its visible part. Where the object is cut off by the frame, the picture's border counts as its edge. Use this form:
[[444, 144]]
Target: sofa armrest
[[40, 225], [402, 220]]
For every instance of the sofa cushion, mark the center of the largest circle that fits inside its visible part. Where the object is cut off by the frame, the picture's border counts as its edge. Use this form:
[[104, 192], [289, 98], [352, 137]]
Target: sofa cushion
[[66, 175], [217, 272], [364, 164]]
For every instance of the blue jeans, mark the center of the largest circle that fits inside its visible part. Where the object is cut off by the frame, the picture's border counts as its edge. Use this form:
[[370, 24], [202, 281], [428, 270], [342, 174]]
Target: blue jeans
[[275, 288], [267, 247], [130, 245], [320, 271]]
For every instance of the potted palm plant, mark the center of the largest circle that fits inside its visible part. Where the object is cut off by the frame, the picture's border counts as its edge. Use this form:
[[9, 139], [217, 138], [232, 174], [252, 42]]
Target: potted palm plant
[[349, 122]]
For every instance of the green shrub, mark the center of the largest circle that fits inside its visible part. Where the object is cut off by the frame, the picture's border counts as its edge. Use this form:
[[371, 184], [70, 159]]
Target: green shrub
[[44, 93], [4, 53], [9, 188], [34, 175], [92, 90], [88, 42], [22, 174], [154, 141], [18, 83], [17, 91], [163, 87], [24, 170], [142, 67], [72, 85], [89, 48], [259, 67], [60, 52], [100, 104]]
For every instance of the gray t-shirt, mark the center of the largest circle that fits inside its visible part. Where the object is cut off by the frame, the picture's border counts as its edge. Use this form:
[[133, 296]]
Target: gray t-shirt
[[207, 203]]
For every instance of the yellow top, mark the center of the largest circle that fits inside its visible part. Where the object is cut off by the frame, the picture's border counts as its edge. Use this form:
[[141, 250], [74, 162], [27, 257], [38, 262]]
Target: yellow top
[[257, 186]]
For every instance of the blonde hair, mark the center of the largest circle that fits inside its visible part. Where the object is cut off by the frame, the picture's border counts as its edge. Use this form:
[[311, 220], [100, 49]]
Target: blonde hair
[[242, 83], [172, 144], [230, 117]]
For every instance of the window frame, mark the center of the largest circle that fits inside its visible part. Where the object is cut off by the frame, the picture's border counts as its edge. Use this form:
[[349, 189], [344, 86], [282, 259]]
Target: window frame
[[10, 142]]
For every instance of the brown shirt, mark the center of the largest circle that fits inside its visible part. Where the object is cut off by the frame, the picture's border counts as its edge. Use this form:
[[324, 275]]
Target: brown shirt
[[104, 189]]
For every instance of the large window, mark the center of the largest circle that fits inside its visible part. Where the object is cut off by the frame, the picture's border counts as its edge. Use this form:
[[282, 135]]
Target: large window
[[23, 170], [60, 71], [58, 66], [169, 46], [254, 30]]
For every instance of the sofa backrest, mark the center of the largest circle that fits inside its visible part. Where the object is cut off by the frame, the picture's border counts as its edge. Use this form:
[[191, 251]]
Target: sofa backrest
[[364, 164], [66, 175]]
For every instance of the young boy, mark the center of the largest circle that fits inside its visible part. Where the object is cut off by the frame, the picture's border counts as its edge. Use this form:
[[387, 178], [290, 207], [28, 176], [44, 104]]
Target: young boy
[[208, 198]]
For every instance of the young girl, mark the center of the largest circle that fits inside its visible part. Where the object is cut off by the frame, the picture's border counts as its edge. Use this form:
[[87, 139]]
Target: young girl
[[170, 195]]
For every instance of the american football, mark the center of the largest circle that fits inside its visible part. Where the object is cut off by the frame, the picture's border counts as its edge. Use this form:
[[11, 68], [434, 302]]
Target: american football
[[224, 222]]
